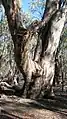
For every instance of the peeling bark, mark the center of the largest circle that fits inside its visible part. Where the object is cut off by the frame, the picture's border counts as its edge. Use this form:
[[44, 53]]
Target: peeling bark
[[35, 48]]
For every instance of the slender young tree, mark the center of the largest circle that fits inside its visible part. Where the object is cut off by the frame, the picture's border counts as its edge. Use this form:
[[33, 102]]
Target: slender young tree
[[35, 47]]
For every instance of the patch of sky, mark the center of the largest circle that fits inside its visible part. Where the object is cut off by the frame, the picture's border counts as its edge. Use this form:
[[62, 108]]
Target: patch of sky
[[1, 13], [35, 9]]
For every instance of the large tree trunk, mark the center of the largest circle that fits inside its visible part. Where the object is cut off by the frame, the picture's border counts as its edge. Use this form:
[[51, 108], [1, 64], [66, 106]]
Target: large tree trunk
[[36, 46]]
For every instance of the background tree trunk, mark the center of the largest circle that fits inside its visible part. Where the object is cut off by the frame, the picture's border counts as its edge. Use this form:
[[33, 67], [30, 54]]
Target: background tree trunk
[[35, 47]]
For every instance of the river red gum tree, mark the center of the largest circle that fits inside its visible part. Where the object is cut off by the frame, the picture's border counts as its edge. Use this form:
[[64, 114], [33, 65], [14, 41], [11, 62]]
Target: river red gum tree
[[35, 47]]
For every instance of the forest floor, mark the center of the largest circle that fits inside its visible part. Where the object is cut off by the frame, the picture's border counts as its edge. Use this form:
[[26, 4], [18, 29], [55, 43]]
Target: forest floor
[[13, 107]]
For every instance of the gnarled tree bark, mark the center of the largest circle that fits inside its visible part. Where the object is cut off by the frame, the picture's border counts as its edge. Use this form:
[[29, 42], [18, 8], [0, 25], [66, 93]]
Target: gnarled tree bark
[[36, 46]]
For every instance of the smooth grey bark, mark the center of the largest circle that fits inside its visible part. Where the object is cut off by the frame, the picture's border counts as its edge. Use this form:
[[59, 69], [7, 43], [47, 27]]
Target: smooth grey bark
[[35, 48]]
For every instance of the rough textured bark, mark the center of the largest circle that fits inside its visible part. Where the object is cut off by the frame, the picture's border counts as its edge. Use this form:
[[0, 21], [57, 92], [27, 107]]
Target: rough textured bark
[[36, 46]]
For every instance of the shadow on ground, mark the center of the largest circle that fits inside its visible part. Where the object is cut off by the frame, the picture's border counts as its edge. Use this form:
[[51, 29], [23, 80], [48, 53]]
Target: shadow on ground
[[13, 107]]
